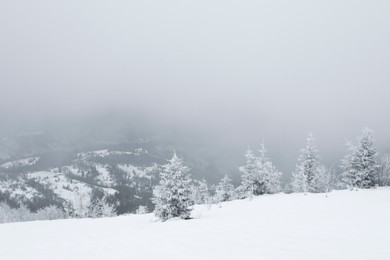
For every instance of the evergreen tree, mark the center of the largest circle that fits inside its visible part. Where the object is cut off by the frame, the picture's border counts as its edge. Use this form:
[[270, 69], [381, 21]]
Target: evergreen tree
[[204, 191], [249, 175], [326, 179], [306, 176], [360, 167], [269, 176], [384, 170], [224, 191], [259, 174], [200, 191], [299, 179], [172, 197]]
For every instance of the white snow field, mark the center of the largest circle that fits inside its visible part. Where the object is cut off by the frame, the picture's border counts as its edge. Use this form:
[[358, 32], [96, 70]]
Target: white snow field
[[346, 225]]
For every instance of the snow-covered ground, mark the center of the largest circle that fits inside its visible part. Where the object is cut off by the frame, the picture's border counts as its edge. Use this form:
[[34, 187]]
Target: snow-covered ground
[[346, 225], [134, 171], [20, 163], [106, 152], [73, 191]]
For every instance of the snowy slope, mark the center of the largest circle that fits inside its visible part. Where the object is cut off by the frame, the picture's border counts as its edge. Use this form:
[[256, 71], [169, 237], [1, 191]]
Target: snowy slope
[[20, 163], [346, 225], [140, 172], [70, 191]]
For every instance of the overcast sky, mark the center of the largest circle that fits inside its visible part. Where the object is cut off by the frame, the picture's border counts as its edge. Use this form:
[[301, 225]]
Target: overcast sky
[[251, 70]]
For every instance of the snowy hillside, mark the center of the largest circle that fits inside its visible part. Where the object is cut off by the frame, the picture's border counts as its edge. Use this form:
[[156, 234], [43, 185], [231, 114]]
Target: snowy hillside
[[20, 163], [124, 178], [346, 225]]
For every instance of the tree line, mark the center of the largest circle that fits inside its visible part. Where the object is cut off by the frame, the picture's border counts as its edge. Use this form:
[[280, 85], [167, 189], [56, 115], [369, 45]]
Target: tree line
[[177, 192], [361, 168]]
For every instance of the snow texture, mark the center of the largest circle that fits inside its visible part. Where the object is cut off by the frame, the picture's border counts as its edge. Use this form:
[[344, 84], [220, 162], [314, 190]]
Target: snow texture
[[136, 171], [20, 163], [360, 165], [346, 225]]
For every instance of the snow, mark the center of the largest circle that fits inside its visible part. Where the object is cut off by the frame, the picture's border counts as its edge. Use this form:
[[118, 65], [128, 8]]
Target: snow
[[18, 190], [60, 185], [20, 163], [104, 177], [25, 192], [73, 169], [97, 153], [346, 225], [140, 151], [70, 190], [106, 152], [140, 172], [41, 174]]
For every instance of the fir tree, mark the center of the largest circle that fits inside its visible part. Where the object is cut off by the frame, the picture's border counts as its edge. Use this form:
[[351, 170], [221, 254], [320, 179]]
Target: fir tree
[[204, 191], [269, 176], [306, 176], [172, 197], [249, 171], [224, 191], [326, 179], [384, 170], [360, 168], [200, 192], [299, 179], [259, 174]]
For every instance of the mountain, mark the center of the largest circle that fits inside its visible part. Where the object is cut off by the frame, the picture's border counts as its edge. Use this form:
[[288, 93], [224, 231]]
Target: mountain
[[123, 178], [59, 168]]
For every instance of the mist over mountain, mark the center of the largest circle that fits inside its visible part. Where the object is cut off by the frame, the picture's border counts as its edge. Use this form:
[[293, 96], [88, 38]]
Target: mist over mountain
[[208, 78], [96, 96], [219, 150]]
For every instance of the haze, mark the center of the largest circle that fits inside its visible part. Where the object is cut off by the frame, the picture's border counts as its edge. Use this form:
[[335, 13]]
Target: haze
[[238, 72]]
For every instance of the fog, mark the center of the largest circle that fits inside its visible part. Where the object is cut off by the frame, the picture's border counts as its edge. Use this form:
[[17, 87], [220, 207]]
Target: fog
[[233, 72]]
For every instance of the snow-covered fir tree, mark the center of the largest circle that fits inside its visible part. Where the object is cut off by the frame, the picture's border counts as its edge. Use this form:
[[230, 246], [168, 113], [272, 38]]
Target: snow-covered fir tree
[[384, 170], [269, 175], [327, 179], [224, 190], [200, 191], [172, 197], [299, 179], [259, 175], [203, 192], [249, 175], [360, 166], [306, 176]]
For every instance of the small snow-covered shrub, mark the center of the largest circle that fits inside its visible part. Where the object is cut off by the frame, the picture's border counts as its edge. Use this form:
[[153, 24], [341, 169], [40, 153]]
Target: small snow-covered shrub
[[101, 208], [8, 214], [49, 213], [85, 207], [142, 210]]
